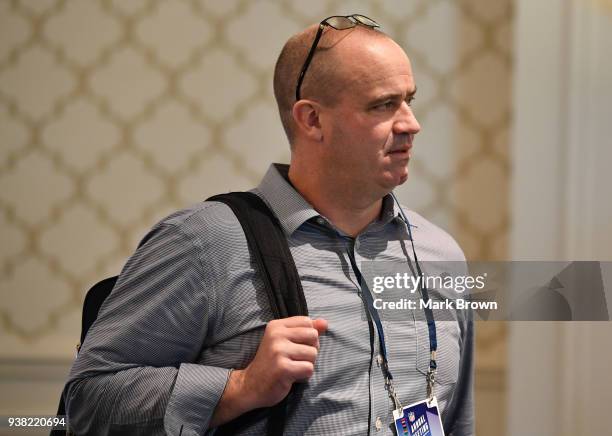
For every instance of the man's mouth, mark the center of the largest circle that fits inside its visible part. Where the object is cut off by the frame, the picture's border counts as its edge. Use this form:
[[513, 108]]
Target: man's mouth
[[400, 150]]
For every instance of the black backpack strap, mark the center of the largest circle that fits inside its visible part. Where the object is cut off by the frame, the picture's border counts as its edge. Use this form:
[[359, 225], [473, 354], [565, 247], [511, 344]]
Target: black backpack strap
[[269, 248], [93, 301]]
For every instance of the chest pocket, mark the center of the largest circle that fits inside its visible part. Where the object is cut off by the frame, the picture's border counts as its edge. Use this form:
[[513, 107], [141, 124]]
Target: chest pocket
[[448, 354]]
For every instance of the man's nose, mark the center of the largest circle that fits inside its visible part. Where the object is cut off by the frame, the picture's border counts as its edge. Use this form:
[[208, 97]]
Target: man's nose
[[405, 121]]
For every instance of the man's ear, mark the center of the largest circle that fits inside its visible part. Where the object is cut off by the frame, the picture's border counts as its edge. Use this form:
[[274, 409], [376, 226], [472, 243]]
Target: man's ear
[[306, 115]]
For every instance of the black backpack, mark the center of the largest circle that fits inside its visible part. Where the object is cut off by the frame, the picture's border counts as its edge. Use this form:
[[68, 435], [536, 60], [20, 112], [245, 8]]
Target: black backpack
[[268, 247]]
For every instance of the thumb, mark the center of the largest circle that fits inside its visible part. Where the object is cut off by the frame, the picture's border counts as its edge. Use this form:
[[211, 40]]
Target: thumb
[[320, 324]]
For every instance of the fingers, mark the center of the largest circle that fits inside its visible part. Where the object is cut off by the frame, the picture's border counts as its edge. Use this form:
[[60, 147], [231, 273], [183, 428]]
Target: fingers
[[320, 324], [287, 353], [303, 321], [303, 335], [299, 329], [294, 321], [299, 352], [301, 370]]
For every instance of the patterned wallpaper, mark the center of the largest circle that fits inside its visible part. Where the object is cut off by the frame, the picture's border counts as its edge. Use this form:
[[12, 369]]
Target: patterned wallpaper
[[114, 113]]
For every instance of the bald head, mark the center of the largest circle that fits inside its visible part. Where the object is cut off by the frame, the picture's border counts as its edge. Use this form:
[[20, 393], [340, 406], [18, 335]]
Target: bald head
[[325, 78]]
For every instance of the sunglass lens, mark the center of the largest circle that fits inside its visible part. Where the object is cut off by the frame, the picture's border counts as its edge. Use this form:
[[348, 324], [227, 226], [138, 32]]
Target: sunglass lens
[[365, 20], [340, 23]]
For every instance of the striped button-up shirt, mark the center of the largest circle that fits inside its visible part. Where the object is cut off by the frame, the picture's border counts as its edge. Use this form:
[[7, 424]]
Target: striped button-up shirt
[[188, 306]]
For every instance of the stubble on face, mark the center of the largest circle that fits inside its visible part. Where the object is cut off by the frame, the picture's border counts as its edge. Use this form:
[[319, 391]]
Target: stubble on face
[[366, 150]]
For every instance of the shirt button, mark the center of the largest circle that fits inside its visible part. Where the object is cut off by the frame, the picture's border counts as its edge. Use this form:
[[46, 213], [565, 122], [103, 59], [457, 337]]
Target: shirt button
[[378, 423]]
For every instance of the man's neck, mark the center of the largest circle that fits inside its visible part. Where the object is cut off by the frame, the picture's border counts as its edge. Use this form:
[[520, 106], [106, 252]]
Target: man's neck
[[347, 209]]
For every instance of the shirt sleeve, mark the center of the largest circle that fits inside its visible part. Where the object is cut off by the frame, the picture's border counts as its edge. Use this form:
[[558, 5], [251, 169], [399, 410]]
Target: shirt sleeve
[[136, 372], [460, 420]]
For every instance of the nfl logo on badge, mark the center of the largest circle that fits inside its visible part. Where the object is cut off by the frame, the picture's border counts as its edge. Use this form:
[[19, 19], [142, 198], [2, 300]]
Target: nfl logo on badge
[[411, 416]]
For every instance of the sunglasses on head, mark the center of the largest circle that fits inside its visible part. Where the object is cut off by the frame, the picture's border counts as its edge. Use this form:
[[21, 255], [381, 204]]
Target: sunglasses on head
[[338, 22]]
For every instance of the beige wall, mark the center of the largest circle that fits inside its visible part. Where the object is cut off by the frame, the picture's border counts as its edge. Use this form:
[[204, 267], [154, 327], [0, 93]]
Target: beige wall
[[558, 376], [114, 113]]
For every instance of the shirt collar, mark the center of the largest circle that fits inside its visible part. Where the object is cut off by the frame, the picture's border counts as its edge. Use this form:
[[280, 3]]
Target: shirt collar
[[390, 210], [292, 210]]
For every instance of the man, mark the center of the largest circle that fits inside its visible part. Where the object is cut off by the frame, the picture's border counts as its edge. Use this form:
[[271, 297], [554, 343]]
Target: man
[[185, 342]]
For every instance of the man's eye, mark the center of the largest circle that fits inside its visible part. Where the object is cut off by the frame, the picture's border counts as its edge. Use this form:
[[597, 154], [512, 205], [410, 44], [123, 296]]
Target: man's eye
[[410, 99], [385, 105]]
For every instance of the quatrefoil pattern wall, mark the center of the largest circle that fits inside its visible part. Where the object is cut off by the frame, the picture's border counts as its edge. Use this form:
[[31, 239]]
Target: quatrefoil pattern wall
[[114, 113]]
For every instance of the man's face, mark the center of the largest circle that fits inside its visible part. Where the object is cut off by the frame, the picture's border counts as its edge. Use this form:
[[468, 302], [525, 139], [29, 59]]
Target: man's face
[[369, 132]]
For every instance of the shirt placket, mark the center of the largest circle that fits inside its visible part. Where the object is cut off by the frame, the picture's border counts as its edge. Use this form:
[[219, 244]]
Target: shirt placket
[[380, 404]]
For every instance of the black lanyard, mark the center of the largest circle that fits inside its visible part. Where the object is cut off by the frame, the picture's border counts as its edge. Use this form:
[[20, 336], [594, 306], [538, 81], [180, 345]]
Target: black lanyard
[[373, 314], [369, 303]]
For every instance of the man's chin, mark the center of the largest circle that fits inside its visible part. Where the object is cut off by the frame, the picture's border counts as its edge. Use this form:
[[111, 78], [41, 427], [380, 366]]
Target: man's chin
[[398, 173], [399, 177], [393, 180]]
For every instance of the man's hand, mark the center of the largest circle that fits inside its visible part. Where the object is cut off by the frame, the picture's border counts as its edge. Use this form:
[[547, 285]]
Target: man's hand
[[286, 354]]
